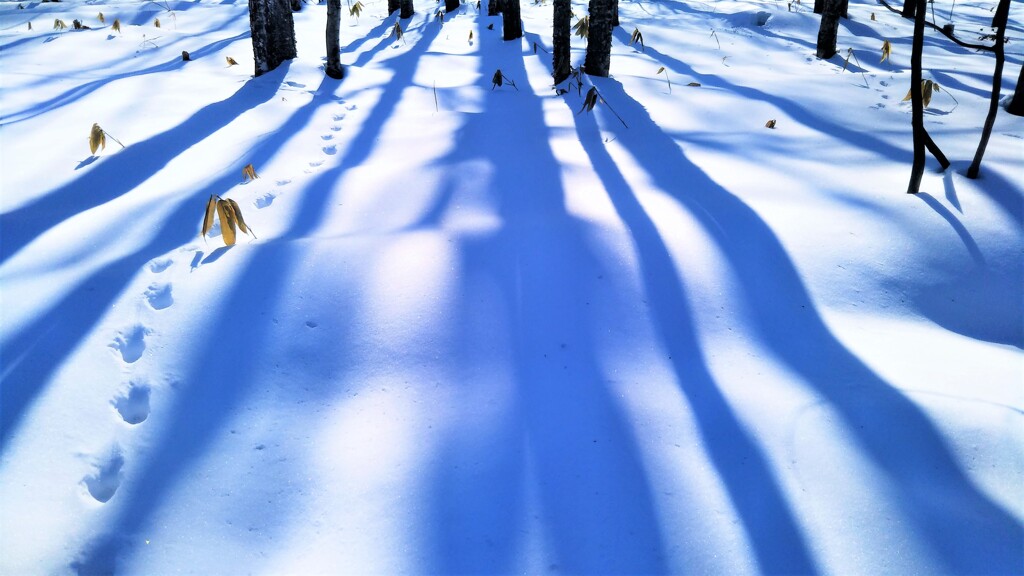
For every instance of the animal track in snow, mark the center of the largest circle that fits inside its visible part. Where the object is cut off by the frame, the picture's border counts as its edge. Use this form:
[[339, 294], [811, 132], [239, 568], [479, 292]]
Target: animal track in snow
[[158, 266], [159, 296], [284, 182], [315, 163], [131, 344], [265, 200], [335, 128], [326, 137], [330, 150], [103, 484], [133, 406], [339, 117]]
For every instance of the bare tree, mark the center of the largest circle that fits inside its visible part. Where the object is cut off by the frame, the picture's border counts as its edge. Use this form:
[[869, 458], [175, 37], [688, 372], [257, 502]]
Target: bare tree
[[393, 6], [451, 6], [334, 69], [599, 39], [493, 7], [999, 23], [511, 22], [922, 140], [829, 29], [273, 33], [560, 40], [406, 9]]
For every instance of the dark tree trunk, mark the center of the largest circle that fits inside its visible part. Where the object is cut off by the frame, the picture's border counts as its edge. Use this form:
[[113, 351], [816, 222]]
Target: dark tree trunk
[[599, 40], [296, 5], [916, 98], [392, 7], [1016, 106], [560, 40], [999, 23], [334, 69], [493, 7], [844, 8], [910, 8], [511, 23], [273, 33], [451, 6], [615, 13], [406, 9], [829, 29], [819, 6]]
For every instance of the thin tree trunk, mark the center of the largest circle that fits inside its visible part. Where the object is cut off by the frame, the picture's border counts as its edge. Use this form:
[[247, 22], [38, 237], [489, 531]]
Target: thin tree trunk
[[493, 7], [999, 23], [392, 7], [910, 8], [406, 9], [916, 99], [615, 13], [334, 69], [451, 6], [1016, 106], [560, 40], [829, 29], [599, 39], [511, 23]]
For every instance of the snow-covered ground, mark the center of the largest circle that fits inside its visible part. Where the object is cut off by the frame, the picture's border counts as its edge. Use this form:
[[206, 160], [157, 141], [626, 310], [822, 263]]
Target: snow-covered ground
[[481, 332]]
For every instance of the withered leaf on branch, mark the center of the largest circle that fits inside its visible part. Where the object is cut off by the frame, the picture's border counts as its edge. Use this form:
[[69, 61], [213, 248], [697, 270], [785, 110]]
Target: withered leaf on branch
[[886, 51], [97, 139], [227, 222], [249, 173], [231, 61]]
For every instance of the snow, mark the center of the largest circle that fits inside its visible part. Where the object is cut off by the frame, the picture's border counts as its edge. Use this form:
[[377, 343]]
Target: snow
[[479, 331]]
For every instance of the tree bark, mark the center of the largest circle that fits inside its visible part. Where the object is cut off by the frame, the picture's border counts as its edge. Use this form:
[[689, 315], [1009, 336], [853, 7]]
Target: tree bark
[[819, 6], [493, 7], [406, 9], [296, 5], [829, 29], [615, 13], [334, 69], [999, 23], [258, 16], [1016, 106], [273, 33], [511, 22], [451, 6], [560, 40], [599, 40], [392, 7], [910, 8], [916, 99]]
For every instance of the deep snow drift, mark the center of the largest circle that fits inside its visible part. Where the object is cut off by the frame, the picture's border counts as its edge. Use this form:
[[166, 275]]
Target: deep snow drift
[[481, 332]]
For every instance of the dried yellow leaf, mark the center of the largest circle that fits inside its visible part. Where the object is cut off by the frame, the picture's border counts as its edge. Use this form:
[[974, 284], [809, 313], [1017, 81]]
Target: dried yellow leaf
[[770, 124], [97, 139], [249, 173], [886, 51], [156, 22], [231, 61], [101, 18], [227, 222], [116, 25], [211, 207], [237, 211]]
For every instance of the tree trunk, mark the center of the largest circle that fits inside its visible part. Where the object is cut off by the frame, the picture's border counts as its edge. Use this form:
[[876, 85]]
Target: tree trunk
[[493, 7], [829, 29], [999, 23], [910, 8], [296, 5], [451, 6], [1016, 106], [406, 9], [599, 40], [844, 8], [511, 23], [560, 40], [615, 13], [916, 98], [819, 6], [334, 69], [258, 16], [392, 7]]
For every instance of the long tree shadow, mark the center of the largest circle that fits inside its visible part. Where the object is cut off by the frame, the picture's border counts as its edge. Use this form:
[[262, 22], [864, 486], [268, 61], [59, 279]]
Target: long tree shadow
[[33, 353], [976, 535], [208, 399], [773, 532], [121, 173], [562, 436], [74, 94]]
